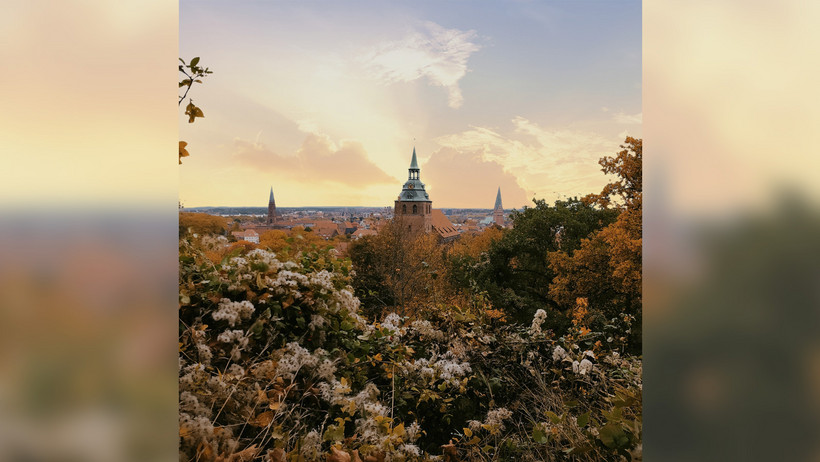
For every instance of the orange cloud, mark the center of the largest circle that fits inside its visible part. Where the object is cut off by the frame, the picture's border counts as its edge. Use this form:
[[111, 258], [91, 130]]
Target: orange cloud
[[317, 159], [463, 179]]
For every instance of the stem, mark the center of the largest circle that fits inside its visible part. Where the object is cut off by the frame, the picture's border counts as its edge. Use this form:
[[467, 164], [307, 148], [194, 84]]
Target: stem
[[393, 396]]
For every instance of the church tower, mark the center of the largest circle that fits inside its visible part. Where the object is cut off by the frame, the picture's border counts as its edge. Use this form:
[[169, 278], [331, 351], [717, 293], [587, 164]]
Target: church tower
[[413, 206], [498, 212], [271, 208]]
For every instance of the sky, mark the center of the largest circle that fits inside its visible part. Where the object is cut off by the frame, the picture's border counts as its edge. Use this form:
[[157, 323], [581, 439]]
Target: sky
[[325, 101]]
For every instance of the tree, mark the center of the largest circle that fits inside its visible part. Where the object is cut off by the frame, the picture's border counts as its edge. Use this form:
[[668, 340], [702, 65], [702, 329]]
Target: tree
[[398, 269], [515, 271], [192, 73], [274, 239], [607, 267], [202, 224]]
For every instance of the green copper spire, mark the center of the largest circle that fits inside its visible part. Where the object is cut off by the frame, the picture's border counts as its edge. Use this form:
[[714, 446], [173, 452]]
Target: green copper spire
[[414, 165], [271, 200], [413, 189], [498, 199]]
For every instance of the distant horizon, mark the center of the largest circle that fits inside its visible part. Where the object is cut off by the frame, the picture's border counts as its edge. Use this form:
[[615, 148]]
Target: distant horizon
[[261, 207]]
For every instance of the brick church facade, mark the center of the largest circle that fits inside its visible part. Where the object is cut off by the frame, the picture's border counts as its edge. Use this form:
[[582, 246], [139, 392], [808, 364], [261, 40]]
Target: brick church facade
[[414, 210]]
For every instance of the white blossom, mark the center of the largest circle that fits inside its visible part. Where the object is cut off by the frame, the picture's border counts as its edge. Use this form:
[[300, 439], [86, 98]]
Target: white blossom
[[559, 354], [582, 367], [537, 320], [233, 312], [312, 445]]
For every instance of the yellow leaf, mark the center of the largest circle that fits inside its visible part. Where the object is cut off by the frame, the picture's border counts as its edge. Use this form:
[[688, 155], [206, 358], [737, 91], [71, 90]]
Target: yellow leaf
[[277, 433], [182, 151], [399, 430], [467, 432], [275, 405], [350, 408], [204, 451], [263, 420]]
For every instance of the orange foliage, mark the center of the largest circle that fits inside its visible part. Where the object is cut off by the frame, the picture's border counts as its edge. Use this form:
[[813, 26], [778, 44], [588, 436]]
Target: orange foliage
[[473, 245], [244, 245], [607, 267], [201, 223], [274, 239]]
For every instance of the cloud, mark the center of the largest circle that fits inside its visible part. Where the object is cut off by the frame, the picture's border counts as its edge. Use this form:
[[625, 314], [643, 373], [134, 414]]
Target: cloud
[[464, 179], [436, 53], [622, 118], [547, 163], [318, 159]]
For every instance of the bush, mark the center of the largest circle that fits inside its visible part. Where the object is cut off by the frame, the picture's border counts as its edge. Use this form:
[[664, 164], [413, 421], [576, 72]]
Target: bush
[[277, 362]]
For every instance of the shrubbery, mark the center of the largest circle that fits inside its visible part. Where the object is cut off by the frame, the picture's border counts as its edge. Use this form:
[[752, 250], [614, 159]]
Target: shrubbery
[[276, 363]]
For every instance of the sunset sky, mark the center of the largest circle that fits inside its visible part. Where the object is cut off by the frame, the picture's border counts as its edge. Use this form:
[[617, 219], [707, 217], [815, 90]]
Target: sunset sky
[[324, 101]]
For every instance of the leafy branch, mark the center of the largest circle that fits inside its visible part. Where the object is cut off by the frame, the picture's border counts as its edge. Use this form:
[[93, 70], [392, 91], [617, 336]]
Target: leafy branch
[[192, 74]]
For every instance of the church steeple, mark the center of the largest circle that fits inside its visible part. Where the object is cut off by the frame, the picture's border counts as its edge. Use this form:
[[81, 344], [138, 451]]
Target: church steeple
[[413, 189], [498, 212], [414, 167], [271, 208], [413, 205]]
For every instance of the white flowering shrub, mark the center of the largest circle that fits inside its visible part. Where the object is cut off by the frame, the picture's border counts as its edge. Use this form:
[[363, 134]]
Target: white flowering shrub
[[277, 363]]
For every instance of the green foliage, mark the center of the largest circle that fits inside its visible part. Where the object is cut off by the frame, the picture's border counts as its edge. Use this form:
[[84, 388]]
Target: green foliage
[[515, 271], [369, 283]]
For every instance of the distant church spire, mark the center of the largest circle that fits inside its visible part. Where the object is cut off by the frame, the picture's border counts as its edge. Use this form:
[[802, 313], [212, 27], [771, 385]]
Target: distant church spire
[[498, 212], [271, 208]]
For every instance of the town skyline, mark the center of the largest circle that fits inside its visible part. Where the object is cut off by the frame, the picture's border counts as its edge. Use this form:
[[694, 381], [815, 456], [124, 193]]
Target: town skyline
[[326, 102]]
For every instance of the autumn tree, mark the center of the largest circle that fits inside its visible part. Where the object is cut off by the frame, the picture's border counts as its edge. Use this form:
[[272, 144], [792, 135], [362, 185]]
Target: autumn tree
[[398, 269], [290, 243], [275, 240], [606, 269], [202, 224]]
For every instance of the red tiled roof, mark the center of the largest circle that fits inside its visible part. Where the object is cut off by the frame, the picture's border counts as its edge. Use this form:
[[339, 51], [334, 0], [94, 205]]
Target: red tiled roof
[[442, 225]]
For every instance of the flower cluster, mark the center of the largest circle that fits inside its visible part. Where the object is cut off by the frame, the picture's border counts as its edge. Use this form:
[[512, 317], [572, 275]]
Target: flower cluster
[[444, 367], [494, 422], [537, 321], [426, 330], [233, 312], [392, 322]]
